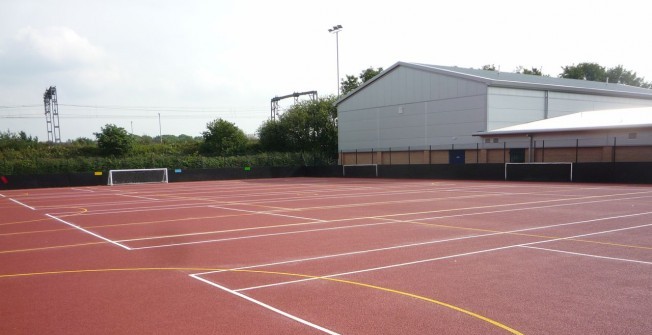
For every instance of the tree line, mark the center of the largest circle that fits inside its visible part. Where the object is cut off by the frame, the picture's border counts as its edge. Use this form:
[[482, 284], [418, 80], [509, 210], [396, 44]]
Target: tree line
[[591, 72], [306, 129]]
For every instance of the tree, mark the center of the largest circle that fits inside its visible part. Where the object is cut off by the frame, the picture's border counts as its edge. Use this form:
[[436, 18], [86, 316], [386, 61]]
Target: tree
[[272, 136], [596, 72], [585, 71], [308, 126], [369, 73], [352, 82], [223, 138], [489, 67], [114, 141], [349, 84], [620, 75], [532, 71]]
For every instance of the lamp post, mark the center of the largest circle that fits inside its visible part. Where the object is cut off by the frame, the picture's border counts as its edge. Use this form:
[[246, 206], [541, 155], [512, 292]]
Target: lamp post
[[336, 30]]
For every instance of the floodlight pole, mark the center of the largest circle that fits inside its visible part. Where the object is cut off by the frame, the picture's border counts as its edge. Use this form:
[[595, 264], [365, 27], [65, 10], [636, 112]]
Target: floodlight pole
[[160, 135], [336, 30]]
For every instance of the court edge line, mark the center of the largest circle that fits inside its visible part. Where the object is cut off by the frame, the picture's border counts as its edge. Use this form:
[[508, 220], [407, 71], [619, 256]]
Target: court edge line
[[381, 217], [342, 281], [2, 195], [266, 213], [589, 255], [88, 232], [445, 257], [264, 305], [22, 204], [428, 242], [251, 236]]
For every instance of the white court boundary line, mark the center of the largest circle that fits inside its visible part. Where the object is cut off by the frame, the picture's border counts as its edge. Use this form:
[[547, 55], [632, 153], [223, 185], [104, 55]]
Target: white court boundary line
[[2, 195], [590, 255], [88, 232], [262, 304], [524, 245], [383, 217], [273, 213], [22, 204], [430, 242], [249, 236]]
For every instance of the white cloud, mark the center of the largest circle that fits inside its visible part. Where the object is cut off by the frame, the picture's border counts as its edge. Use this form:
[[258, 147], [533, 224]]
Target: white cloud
[[58, 46]]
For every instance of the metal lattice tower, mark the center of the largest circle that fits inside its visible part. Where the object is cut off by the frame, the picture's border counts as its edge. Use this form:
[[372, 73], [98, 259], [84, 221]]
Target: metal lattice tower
[[52, 114], [275, 109]]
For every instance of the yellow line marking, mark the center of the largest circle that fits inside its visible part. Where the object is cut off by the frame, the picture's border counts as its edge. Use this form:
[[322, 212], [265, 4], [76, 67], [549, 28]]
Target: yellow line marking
[[521, 234], [343, 281], [83, 210], [49, 248]]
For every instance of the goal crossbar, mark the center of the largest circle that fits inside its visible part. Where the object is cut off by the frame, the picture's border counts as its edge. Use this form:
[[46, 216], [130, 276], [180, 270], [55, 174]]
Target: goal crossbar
[[138, 176], [373, 167]]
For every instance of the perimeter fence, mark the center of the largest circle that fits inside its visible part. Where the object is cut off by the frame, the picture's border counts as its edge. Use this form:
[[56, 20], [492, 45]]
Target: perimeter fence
[[492, 151]]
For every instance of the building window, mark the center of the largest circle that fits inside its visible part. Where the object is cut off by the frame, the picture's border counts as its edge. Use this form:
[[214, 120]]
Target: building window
[[632, 136]]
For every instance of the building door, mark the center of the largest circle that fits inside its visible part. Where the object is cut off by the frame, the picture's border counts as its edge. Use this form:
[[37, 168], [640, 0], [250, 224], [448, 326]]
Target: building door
[[456, 157]]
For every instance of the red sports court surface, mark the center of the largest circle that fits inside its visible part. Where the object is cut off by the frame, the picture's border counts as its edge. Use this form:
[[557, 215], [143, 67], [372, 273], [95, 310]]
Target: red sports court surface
[[310, 256]]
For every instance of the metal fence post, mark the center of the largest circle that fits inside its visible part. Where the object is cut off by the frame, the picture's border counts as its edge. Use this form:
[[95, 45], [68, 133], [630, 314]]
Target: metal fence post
[[477, 153]]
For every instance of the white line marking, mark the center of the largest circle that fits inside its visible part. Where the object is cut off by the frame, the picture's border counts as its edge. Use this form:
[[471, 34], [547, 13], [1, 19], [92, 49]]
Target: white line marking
[[251, 236], [264, 305], [88, 232], [2, 195], [426, 243], [444, 257], [589, 255], [267, 213], [138, 196], [22, 204]]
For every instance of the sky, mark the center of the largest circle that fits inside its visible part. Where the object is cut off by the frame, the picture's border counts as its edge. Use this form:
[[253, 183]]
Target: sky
[[125, 62]]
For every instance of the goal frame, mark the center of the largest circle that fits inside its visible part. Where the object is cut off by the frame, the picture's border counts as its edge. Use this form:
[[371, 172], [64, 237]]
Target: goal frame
[[358, 165], [164, 170], [570, 164]]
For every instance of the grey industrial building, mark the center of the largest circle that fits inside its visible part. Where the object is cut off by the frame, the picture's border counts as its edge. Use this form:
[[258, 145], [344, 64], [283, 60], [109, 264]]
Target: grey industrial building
[[417, 114]]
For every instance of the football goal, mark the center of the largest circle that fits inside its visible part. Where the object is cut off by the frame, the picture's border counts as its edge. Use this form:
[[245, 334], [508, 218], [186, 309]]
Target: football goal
[[542, 171], [360, 170], [138, 176]]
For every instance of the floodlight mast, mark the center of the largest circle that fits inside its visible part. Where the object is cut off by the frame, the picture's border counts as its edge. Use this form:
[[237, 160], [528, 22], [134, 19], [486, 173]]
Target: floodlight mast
[[336, 30], [52, 114]]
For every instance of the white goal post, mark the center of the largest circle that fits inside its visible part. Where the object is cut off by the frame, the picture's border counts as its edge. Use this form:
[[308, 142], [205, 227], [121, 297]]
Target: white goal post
[[558, 171], [359, 170], [138, 176]]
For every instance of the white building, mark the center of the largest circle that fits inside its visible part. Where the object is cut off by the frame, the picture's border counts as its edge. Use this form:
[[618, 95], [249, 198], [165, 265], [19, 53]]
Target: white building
[[430, 109]]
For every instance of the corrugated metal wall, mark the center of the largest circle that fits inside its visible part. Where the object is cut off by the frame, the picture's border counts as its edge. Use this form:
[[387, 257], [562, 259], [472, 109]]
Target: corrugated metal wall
[[408, 107], [509, 106]]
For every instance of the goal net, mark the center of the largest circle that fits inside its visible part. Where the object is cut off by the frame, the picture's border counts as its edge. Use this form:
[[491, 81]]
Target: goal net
[[360, 170], [553, 171], [138, 176]]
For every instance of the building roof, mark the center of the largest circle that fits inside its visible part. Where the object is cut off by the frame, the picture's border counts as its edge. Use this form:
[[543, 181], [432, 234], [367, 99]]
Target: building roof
[[517, 80], [594, 120]]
